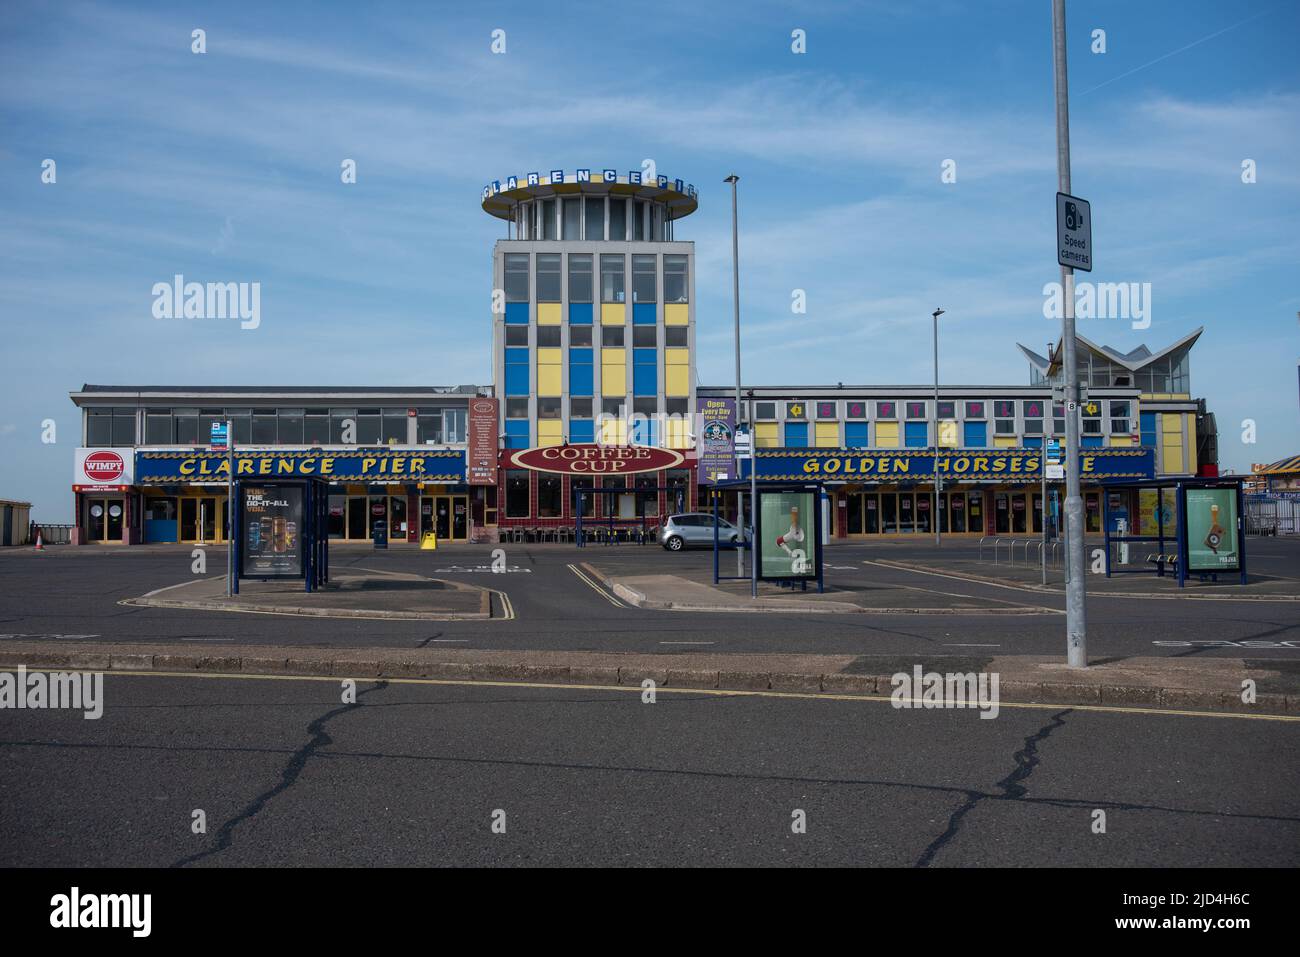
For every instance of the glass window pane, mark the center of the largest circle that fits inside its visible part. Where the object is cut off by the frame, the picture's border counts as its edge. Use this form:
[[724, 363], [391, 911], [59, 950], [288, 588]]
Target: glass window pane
[[595, 210], [611, 279], [291, 427], [573, 217], [580, 277], [548, 277], [643, 279], [675, 279], [516, 277], [617, 218]]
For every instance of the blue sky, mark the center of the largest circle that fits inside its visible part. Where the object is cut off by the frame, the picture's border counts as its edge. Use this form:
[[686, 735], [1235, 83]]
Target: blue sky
[[225, 167]]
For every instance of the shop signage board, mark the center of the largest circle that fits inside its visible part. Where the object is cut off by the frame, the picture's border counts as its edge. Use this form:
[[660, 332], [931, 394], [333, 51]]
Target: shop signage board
[[593, 459], [375, 465], [787, 535], [482, 452], [272, 526], [1212, 530], [102, 467], [717, 441], [972, 465]]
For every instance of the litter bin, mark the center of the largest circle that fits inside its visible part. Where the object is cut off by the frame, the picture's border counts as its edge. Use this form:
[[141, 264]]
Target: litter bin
[[379, 532]]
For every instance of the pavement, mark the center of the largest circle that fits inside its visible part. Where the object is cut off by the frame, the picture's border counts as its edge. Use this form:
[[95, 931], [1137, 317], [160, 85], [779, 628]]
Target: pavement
[[348, 594], [416, 774], [1215, 684]]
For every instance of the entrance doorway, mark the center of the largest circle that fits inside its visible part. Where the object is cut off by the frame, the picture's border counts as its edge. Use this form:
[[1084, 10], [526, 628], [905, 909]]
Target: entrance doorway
[[203, 520], [105, 519], [447, 516]]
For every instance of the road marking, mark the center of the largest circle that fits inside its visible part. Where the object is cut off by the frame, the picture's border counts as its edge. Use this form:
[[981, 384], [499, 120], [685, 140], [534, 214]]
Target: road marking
[[207, 639], [953, 594], [603, 594], [688, 642], [971, 646], [506, 605], [715, 692]]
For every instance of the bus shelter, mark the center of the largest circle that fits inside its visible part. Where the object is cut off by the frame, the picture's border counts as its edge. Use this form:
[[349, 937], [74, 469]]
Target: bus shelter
[[1204, 534], [280, 531]]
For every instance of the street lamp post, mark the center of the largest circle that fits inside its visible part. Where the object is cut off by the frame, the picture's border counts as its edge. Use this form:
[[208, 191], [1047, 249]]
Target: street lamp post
[[938, 479], [733, 179]]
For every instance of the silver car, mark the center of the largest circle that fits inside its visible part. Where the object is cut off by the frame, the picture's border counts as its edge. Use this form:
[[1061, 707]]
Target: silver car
[[695, 528]]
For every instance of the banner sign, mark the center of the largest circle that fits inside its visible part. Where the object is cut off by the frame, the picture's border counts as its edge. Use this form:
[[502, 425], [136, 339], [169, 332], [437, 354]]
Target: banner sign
[[482, 451], [716, 445], [102, 467], [787, 535], [272, 522], [588, 459], [920, 465], [1212, 530], [372, 465]]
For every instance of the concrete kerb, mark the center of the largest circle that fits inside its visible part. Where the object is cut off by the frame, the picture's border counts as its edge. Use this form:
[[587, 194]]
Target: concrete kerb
[[364, 667]]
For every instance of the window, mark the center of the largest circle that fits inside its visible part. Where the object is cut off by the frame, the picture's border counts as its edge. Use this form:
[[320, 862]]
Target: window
[[947, 410], [548, 219], [549, 499], [643, 279], [455, 425], [516, 335], [290, 430], [595, 212], [611, 335], [826, 410], [580, 277], [1004, 415], [886, 410], [855, 410], [517, 493], [1091, 412], [516, 277], [796, 410], [428, 424], [638, 222], [264, 431], [675, 337], [647, 336], [675, 286], [548, 407], [158, 427], [580, 335], [1058, 418], [583, 498], [187, 426], [916, 410], [611, 279], [580, 407], [516, 408], [548, 337], [618, 220], [548, 277], [975, 410], [647, 499], [99, 427], [1033, 426], [573, 218], [1119, 418], [368, 426], [764, 410], [342, 426], [612, 407], [392, 430], [316, 424]]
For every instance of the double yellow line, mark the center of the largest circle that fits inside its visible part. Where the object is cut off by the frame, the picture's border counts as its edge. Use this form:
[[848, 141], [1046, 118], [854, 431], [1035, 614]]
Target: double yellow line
[[599, 590]]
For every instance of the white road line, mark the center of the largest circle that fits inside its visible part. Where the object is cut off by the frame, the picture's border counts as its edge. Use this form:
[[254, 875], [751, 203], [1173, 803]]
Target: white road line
[[971, 646], [688, 642]]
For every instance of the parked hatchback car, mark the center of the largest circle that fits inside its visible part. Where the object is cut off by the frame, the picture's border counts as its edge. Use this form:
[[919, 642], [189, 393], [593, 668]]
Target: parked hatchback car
[[691, 529]]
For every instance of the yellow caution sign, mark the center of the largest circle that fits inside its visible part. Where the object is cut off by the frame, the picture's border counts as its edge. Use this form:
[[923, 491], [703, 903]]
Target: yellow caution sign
[[429, 542]]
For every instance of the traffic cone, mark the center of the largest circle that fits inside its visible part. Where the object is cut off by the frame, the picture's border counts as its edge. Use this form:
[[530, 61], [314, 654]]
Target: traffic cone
[[40, 546]]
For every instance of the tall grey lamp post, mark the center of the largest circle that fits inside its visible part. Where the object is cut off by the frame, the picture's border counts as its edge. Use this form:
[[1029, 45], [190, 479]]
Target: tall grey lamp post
[[733, 179], [938, 480]]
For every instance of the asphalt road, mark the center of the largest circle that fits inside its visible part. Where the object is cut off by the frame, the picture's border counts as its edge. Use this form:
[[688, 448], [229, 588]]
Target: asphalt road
[[412, 774], [77, 592]]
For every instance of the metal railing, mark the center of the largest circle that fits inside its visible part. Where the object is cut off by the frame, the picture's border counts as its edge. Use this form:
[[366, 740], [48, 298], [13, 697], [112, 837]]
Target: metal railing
[[1028, 547], [50, 534]]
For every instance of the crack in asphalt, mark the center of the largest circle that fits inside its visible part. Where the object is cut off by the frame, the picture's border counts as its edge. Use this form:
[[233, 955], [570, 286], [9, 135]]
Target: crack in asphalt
[[297, 761], [1011, 787]]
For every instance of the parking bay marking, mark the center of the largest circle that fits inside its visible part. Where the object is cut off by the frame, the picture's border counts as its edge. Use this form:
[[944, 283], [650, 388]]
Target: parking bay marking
[[603, 594]]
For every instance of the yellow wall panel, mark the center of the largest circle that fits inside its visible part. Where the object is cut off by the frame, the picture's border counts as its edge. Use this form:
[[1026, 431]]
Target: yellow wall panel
[[676, 314], [677, 381], [765, 435], [827, 435], [550, 378], [613, 431], [886, 435], [613, 372], [613, 313], [548, 432], [1120, 441], [1191, 442], [1171, 442], [548, 313], [677, 433], [1004, 441]]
